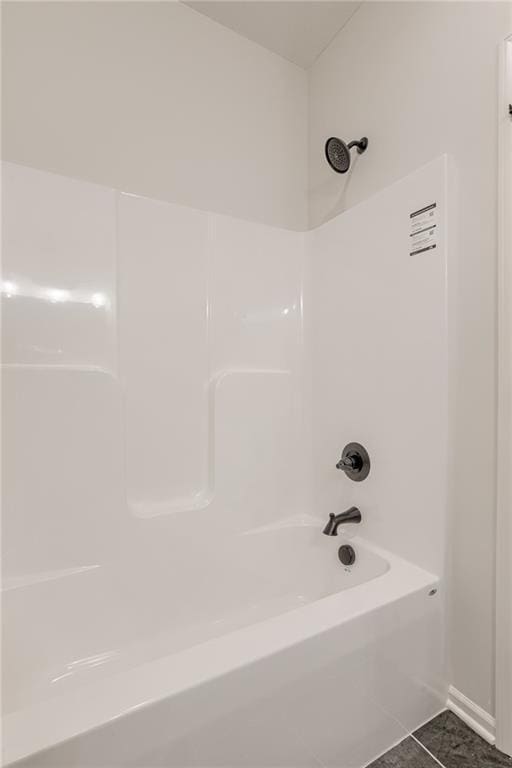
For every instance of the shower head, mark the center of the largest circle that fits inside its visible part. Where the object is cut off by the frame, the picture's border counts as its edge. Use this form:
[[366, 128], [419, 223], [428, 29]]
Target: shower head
[[338, 153]]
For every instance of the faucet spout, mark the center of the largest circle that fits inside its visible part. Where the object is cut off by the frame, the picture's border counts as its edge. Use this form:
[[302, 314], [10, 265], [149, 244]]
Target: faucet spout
[[352, 515]]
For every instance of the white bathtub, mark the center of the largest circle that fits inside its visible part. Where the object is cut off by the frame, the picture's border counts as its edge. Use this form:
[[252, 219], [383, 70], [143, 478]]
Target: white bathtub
[[131, 666]]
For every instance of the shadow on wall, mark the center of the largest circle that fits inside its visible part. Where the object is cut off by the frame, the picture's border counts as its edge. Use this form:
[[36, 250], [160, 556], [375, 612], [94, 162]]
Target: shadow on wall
[[333, 192]]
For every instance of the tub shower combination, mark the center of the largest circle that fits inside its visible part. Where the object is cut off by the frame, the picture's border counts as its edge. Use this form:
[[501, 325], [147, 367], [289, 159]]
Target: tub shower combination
[[197, 572]]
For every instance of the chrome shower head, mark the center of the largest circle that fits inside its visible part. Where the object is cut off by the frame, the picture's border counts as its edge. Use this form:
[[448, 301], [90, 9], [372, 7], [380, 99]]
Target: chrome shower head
[[337, 152]]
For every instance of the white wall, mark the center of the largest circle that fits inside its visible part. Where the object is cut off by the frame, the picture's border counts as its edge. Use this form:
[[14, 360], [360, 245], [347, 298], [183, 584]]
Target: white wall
[[420, 79], [156, 99]]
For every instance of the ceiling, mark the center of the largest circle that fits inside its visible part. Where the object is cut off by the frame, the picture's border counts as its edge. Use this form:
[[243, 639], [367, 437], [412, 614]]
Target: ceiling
[[299, 30]]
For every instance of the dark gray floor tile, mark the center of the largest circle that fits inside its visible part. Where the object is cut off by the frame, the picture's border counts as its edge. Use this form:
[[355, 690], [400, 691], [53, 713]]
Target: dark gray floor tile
[[408, 754], [457, 746]]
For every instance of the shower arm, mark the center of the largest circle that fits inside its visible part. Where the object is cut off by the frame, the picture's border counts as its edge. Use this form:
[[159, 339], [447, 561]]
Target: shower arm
[[361, 145]]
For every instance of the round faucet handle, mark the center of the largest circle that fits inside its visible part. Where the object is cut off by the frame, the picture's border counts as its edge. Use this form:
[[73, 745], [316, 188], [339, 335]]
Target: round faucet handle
[[351, 461], [355, 462]]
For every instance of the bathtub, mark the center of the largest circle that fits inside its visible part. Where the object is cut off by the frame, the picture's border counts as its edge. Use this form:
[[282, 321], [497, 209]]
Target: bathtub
[[258, 649]]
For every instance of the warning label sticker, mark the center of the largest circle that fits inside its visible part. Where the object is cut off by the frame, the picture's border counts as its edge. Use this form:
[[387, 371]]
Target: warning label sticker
[[423, 229]]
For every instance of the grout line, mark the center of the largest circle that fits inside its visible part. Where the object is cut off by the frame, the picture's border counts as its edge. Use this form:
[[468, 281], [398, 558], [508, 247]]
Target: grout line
[[391, 748], [407, 734], [427, 751]]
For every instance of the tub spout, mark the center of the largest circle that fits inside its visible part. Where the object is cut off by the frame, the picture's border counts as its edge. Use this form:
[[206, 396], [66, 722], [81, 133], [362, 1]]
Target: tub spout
[[352, 515]]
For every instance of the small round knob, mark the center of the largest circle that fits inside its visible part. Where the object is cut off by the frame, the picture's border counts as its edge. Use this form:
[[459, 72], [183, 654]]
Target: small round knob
[[347, 554]]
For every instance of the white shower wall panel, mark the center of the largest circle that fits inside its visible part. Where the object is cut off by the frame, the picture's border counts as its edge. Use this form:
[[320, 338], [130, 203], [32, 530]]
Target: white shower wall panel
[[163, 322], [256, 281], [58, 271], [182, 332], [257, 377], [62, 473], [151, 372], [380, 365], [210, 324]]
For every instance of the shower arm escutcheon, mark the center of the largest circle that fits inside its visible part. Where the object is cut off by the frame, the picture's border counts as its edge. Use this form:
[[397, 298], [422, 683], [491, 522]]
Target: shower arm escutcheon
[[355, 462]]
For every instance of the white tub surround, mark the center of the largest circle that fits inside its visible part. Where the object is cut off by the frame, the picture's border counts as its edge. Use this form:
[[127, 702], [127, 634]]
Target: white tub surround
[[166, 492]]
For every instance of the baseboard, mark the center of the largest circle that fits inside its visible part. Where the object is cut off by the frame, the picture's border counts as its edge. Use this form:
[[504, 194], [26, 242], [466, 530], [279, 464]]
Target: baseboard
[[477, 718]]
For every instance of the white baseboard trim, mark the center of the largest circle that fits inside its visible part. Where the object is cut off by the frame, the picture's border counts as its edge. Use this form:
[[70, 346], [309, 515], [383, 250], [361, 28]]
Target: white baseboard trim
[[477, 718]]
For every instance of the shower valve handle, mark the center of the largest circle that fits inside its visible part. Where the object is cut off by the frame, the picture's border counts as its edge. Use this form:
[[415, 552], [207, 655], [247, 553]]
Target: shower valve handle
[[350, 462], [355, 462]]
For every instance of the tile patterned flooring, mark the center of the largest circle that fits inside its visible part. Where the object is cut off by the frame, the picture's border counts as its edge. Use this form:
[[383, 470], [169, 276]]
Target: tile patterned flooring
[[445, 741]]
